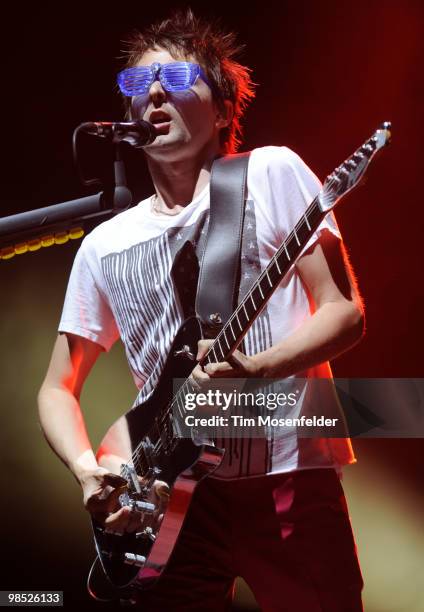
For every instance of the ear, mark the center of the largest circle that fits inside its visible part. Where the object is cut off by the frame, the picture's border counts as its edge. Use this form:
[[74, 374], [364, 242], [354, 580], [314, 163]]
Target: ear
[[224, 117]]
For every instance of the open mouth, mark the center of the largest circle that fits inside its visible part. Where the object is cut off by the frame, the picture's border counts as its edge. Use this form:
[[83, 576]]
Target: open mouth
[[159, 118]]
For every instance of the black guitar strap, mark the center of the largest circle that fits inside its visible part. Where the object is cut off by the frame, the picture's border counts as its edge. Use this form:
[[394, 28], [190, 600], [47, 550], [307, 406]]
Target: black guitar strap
[[220, 267]]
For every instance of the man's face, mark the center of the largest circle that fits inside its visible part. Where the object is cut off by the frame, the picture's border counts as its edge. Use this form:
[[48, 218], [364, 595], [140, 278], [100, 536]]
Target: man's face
[[187, 121]]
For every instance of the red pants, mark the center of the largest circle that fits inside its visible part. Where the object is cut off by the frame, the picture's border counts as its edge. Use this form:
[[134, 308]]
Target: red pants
[[288, 536]]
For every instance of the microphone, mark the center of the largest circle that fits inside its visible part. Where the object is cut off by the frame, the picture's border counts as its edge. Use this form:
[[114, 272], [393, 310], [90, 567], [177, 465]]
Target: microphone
[[137, 133]]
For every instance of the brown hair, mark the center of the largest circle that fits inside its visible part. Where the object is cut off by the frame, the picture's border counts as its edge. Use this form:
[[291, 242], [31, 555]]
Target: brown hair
[[214, 49]]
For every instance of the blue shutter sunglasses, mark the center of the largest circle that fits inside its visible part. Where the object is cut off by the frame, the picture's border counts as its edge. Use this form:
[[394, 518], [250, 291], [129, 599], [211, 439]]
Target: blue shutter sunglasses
[[175, 76]]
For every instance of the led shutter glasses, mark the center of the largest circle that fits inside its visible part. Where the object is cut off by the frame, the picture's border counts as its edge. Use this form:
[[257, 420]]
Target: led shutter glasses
[[175, 76]]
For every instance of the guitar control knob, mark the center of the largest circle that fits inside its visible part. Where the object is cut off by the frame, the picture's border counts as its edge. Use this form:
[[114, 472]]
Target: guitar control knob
[[133, 559], [147, 533], [215, 318], [150, 534]]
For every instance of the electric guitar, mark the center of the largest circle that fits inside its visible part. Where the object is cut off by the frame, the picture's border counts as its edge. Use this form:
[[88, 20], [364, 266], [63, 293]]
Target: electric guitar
[[145, 445]]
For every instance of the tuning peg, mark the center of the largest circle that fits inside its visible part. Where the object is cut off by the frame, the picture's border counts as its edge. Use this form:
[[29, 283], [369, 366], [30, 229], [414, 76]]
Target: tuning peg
[[350, 164], [333, 177]]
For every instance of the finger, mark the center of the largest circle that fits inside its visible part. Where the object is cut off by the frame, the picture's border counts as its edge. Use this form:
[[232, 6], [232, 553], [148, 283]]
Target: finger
[[117, 522], [98, 498], [112, 500], [162, 490], [135, 521], [221, 369], [104, 502], [203, 347], [101, 506], [198, 376], [114, 480]]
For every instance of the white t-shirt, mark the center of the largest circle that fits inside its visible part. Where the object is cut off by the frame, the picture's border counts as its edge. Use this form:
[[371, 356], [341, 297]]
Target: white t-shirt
[[121, 286]]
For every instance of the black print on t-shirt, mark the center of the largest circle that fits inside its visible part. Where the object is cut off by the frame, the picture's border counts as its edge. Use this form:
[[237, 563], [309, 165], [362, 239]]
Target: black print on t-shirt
[[142, 296]]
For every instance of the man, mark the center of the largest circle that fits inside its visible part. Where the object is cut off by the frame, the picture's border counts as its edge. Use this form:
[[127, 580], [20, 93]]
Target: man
[[278, 519]]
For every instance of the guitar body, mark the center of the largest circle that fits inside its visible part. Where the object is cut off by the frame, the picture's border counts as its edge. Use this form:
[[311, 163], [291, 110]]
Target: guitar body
[[137, 560]]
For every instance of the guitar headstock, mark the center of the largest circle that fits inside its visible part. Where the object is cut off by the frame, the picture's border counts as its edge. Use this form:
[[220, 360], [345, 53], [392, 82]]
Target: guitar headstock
[[349, 174]]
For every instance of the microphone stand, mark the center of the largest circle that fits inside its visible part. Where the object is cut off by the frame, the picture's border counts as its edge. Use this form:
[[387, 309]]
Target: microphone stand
[[57, 223]]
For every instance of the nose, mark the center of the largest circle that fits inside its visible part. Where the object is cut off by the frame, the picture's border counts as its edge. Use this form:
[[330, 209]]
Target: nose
[[157, 93]]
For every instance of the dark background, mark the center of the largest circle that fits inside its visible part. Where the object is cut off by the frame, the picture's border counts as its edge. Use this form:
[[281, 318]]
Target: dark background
[[329, 73]]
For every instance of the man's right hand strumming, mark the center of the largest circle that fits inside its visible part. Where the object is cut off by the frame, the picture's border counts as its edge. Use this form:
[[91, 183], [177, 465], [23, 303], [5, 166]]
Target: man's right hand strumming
[[101, 491]]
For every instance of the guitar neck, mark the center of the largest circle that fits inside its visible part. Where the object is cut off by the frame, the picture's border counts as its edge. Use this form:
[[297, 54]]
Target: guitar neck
[[254, 301]]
